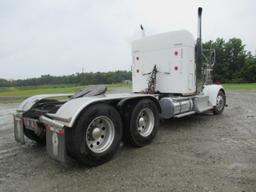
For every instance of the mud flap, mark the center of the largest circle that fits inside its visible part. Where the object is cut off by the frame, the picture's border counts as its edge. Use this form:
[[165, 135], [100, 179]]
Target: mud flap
[[55, 144], [18, 129]]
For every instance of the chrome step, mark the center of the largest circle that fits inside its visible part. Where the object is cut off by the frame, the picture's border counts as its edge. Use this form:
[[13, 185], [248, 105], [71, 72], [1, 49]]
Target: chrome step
[[205, 109], [184, 114]]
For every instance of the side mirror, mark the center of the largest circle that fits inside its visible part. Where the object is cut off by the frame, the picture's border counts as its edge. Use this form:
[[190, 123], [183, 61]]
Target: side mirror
[[213, 57]]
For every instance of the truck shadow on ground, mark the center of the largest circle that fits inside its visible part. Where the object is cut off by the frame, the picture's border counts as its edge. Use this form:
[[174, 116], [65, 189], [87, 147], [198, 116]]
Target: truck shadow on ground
[[170, 126]]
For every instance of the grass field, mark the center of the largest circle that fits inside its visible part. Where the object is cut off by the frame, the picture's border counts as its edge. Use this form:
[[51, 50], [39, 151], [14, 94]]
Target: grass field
[[23, 92], [240, 86], [17, 94], [35, 90]]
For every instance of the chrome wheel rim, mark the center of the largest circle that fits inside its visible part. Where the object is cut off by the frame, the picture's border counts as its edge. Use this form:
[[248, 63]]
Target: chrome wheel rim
[[220, 102], [100, 134], [145, 122]]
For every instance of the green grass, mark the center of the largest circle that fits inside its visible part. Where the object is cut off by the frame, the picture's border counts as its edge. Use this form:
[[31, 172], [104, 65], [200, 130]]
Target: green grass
[[27, 91], [9, 101], [36, 90], [240, 86], [50, 89]]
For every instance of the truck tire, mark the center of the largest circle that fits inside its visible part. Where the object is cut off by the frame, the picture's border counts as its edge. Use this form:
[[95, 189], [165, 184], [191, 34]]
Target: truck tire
[[39, 138], [141, 123], [96, 135], [220, 103]]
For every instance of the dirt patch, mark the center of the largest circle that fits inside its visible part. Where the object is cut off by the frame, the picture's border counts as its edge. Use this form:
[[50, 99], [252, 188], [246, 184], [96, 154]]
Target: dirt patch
[[196, 153]]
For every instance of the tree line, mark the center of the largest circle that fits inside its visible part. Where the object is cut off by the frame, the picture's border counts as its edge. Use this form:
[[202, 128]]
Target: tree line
[[233, 64], [78, 78]]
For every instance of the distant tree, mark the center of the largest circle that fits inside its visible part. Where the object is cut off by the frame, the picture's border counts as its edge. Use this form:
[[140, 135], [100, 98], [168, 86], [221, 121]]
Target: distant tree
[[230, 59], [235, 57], [4, 83], [220, 67], [248, 73]]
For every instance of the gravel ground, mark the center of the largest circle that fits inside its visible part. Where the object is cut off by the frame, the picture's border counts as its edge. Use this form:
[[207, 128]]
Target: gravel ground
[[196, 153]]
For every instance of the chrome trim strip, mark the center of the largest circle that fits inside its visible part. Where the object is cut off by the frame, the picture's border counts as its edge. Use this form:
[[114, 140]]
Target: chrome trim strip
[[51, 122], [66, 120]]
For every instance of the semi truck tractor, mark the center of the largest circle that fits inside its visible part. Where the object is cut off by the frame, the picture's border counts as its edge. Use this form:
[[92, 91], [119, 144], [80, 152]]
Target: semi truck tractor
[[170, 79]]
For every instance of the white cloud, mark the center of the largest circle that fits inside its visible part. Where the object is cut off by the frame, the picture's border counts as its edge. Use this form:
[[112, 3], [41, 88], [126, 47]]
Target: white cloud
[[62, 36]]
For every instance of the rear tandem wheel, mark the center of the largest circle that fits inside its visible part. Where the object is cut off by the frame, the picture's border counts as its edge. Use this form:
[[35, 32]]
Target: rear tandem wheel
[[141, 123], [96, 136]]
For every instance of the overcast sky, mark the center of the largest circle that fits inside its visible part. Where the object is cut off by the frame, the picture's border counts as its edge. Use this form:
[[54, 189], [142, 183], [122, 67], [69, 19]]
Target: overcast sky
[[60, 37]]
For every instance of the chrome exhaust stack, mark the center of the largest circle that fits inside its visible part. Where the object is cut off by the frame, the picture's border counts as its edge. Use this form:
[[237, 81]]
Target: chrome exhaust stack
[[199, 72]]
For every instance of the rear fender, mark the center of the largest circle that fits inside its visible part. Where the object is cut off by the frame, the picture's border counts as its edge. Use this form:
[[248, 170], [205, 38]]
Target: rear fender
[[212, 91], [29, 102], [70, 111]]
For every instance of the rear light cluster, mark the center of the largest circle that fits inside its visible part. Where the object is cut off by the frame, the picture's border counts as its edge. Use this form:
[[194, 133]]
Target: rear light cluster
[[60, 131]]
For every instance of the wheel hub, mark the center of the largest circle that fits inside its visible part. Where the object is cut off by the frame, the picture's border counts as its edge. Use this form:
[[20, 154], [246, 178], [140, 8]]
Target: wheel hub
[[142, 122], [100, 134], [96, 133], [145, 122]]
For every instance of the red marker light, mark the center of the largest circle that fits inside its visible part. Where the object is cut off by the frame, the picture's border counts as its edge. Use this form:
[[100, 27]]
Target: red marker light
[[61, 132]]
